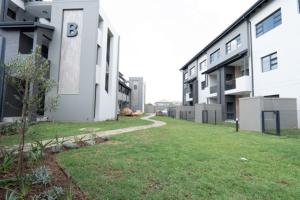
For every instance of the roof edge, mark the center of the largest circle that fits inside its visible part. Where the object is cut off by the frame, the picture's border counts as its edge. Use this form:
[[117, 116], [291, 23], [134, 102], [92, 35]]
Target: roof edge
[[227, 30]]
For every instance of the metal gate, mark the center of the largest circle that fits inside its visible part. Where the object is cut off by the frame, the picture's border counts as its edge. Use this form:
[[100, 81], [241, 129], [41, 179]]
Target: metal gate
[[209, 116], [271, 122], [187, 115]]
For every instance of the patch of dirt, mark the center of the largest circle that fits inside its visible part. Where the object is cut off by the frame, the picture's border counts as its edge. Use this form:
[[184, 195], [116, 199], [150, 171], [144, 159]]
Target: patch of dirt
[[113, 142], [90, 130], [282, 182], [58, 178]]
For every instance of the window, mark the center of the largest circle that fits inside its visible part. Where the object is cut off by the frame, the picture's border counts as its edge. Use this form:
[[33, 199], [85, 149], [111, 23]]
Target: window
[[203, 65], [299, 6], [203, 85], [98, 61], [269, 23], [185, 76], [11, 14], [135, 87], [193, 70], [233, 44], [269, 62], [214, 57]]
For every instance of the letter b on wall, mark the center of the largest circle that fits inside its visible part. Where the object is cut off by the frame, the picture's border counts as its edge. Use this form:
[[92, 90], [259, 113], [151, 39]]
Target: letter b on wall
[[72, 30]]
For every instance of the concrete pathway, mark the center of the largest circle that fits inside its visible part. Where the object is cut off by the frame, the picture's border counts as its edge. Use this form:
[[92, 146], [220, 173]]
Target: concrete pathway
[[99, 134]]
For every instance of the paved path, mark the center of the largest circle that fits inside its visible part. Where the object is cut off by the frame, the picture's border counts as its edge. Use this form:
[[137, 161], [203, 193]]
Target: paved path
[[99, 134]]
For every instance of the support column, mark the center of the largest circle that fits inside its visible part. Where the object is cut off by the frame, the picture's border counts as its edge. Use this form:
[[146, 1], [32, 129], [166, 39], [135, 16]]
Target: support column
[[221, 91], [3, 9], [2, 51]]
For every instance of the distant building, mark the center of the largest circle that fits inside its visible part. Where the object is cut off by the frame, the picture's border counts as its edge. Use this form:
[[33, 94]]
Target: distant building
[[138, 88], [124, 94]]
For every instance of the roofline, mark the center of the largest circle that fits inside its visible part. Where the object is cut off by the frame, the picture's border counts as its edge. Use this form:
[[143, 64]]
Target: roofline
[[241, 19]]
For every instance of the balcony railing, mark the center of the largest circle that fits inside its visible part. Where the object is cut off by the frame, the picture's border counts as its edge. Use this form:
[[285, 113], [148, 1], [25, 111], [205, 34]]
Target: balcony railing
[[213, 89], [229, 85]]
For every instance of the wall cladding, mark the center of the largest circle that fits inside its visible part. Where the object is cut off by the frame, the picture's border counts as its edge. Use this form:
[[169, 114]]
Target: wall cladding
[[69, 75]]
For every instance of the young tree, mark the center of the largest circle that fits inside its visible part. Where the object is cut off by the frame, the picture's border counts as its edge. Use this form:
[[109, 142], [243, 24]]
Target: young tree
[[29, 75]]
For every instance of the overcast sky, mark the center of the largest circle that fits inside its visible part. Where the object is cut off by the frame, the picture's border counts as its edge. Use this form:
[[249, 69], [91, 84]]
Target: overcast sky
[[159, 36]]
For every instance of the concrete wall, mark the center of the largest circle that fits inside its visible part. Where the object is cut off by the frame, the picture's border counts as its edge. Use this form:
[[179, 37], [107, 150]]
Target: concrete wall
[[283, 39], [250, 112], [106, 102], [214, 112]]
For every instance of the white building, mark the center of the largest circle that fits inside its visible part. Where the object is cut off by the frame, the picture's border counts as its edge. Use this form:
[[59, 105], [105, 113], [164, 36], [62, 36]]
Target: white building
[[255, 56]]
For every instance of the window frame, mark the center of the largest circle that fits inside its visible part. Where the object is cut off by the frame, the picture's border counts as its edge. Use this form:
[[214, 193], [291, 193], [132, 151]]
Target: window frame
[[229, 44], [193, 69], [270, 60], [260, 24], [217, 53], [201, 65]]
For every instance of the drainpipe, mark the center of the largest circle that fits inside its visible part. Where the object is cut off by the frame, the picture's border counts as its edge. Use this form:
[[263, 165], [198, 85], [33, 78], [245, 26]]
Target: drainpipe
[[117, 86], [2, 75], [249, 27]]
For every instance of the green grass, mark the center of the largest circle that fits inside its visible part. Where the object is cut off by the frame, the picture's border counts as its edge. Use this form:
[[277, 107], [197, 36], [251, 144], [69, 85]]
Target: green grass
[[49, 130], [185, 160]]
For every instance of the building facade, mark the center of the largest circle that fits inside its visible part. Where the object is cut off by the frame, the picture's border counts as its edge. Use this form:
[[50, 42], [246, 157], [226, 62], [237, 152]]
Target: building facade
[[124, 94], [255, 56], [83, 50]]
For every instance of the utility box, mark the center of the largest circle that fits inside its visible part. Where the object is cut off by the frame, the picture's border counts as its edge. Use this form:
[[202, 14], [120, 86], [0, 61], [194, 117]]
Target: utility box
[[258, 113]]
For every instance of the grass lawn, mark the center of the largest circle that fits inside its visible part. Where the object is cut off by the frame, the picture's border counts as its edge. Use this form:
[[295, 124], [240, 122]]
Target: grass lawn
[[185, 160], [48, 130]]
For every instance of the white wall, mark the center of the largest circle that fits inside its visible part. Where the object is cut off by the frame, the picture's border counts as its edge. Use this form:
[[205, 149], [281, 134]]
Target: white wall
[[106, 103], [285, 40]]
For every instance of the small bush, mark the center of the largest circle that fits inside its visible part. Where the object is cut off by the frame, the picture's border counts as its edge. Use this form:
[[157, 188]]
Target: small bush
[[41, 175], [54, 193], [7, 161], [9, 129]]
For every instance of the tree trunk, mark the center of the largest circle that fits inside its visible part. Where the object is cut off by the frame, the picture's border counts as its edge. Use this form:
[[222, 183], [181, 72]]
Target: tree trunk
[[23, 130]]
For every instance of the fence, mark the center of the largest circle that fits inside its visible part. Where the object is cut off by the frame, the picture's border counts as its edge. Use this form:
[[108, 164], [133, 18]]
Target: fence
[[271, 122], [187, 115], [172, 113], [279, 122], [209, 116]]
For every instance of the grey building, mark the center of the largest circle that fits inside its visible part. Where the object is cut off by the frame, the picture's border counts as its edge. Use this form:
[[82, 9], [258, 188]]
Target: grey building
[[124, 93], [138, 87], [83, 50]]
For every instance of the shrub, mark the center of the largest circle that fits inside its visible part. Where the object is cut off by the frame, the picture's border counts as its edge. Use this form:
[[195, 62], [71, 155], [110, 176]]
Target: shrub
[[7, 161], [9, 129], [54, 193], [41, 175]]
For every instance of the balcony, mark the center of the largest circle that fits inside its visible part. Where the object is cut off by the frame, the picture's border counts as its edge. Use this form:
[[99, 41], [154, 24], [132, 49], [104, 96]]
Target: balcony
[[213, 89], [189, 97], [241, 85]]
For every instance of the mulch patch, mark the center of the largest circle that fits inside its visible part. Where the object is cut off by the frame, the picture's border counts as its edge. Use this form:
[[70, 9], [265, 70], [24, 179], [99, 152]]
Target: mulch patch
[[59, 177]]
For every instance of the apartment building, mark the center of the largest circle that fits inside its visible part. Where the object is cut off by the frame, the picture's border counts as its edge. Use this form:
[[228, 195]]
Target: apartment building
[[82, 47], [124, 94], [254, 56]]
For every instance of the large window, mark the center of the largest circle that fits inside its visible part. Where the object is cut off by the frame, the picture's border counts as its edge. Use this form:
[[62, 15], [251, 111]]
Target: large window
[[269, 23], [214, 57], [269, 62], [202, 65], [233, 44], [193, 70], [299, 5]]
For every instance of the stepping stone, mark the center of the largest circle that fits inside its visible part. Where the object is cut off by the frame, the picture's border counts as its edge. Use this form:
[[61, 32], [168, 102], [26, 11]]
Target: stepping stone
[[70, 145]]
